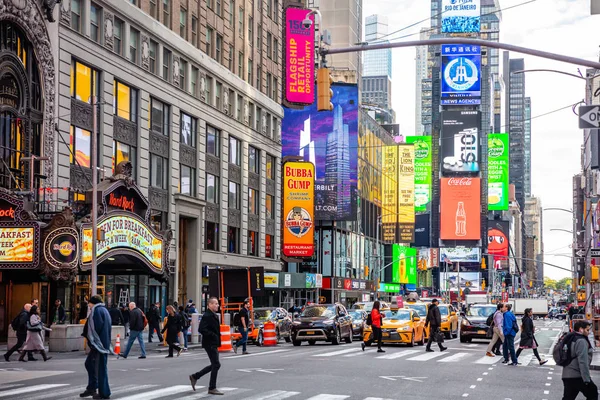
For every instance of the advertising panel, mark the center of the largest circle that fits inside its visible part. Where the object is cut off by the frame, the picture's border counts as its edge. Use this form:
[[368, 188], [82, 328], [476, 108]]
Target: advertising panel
[[498, 164], [404, 267], [460, 254], [461, 16], [427, 259], [460, 208], [370, 155], [298, 209], [16, 245], [299, 57], [498, 240], [328, 139], [406, 192], [271, 279], [460, 142], [461, 74], [389, 211], [422, 171], [450, 280], [422, 236]]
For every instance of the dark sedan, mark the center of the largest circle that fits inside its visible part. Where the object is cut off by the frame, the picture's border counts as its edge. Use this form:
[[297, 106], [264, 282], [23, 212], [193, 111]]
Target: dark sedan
[[279, 316], [474, 325], [359, 320], [323, 322]]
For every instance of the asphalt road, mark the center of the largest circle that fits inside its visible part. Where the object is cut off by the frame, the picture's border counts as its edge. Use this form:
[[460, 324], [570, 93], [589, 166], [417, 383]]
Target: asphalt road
[[319, 372]]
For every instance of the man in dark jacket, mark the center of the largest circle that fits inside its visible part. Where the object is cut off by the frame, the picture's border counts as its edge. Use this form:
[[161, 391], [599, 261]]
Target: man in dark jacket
[[136, 326], [185, 324], [58, 314], [97, 331], [116, 315], [21, 332], [211, 341], [243, 325], [154, 322], [576, 375], [434, 321]]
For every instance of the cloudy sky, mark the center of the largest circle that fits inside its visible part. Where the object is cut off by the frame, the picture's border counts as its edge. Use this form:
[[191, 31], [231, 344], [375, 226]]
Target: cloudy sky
[[558, 26]]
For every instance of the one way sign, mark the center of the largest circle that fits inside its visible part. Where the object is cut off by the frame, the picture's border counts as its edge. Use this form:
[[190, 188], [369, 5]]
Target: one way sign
[[589, 117]]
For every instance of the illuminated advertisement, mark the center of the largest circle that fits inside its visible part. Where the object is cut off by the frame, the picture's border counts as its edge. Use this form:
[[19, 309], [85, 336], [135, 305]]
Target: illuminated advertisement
[[461, 74], [460, 255], [427, 259], [328, 139], [422, 171], [460, 208], [461, 16], [460, 142], [404, 267], [299, 57], [371, 141], [498, 241], [298, 209], [498, 172], [16, 245], [450, 280], [389, 218], [271, 279], [406, 192]]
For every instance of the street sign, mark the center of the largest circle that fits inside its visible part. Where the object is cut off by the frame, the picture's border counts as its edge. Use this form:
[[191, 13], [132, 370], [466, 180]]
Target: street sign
[[580, 253], [589, 117], [595, 252]]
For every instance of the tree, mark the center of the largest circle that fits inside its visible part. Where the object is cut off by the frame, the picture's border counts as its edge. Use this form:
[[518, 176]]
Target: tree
[[549, 283], [564, 284]]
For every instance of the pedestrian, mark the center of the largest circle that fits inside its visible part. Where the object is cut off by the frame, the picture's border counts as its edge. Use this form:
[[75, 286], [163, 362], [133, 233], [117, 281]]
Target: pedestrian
[[35, 335], [136, 326], [116, 315], [188, 305], [58, 314], [576, 375], [510, 329], [434, 321], [193, 309], [173, 327], [97, 331], [185, 324], [154, 322], [20, 322], [125, 312], [243, 323], [35, 302], [376, 323], [527, 338], [211, 341], [83, 308], [497, 328]]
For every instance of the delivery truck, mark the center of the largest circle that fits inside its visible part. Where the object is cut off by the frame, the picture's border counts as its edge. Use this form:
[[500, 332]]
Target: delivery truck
[[539, 306]]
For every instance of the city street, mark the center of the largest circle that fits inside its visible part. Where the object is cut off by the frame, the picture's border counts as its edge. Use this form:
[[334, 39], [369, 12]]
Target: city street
[[319, 372]]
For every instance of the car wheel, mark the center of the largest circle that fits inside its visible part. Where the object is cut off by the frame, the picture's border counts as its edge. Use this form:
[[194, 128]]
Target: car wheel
[[260, 340], [312, 342], [412, 340], [463, 340], [349, 338], [297, 343], [337, 338]]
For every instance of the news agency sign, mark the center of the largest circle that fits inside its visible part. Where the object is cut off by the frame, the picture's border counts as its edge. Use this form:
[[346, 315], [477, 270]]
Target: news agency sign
[[461, 74]]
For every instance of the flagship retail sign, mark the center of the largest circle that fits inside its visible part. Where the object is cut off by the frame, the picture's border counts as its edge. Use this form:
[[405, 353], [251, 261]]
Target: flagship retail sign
[[299, 57]]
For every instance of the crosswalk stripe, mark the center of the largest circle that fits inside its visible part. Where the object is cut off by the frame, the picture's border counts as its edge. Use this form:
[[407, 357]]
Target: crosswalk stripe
[[273, 394], [60, 394], [328, 397], [128, 388], [30, 389], [337, 353], [5, 386], [526, 359], [205, 394], [157, 394], [426, 356], [360, 353], [375, 398], [455, 357], [399, 354], [488, 360]]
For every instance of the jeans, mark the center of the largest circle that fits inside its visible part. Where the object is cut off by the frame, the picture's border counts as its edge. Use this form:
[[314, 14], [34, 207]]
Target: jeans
[[498, 336], [154, 327], [21, 337], [139, 335], [96, 365], [213, 368], [185, 338], [242, 342], [377, 336], [572, 387], [509, 346]]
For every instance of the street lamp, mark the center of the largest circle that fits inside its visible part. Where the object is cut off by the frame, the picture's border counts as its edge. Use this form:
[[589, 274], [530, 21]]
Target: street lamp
[[568, 231], [558, 209]]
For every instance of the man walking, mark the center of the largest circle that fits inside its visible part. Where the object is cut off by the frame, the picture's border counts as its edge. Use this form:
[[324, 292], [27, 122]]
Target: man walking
[[136, 330], [434, 321], [497, 326], [154, 322], [211, 340], [243, 324], [20, 322], [576, 375], [116, 315], [510, 329], [185, 324], [97, 331]]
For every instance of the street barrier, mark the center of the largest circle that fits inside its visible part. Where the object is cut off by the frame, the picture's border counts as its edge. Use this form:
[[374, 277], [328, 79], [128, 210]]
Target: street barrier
[[225, 339], [269, 334]]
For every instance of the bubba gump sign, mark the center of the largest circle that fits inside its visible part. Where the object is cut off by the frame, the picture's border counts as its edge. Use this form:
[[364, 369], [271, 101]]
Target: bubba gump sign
[[298, 209]]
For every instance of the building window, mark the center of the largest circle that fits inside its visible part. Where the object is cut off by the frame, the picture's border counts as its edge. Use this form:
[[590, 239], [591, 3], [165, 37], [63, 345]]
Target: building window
[[231, 8], [258, 119], [231, 55], [118, 36], [153, 9], [123, 152], [212, 189], [183, 23], [270, 167], [241, 65], [209, 35], [166, 64], [211, 241], [253, 243], [218, 8], [250, 68], [253, 199], [276, 11], [269, 44], [269, 242], [124, 101], [218, 95], [274, 128], [76, 15], [189, 130], [234, 195], [235, 151], [213, 141], [219, 49], [240, 103], [251, 115], [159, 117], [194, 31], [209, 86], [81, 147], [268, 120], [275, 51], [210, 4], [231, 101], [233, 239], [259, 38], [250, 31], [241, 22], [95, 22], [182, 70], [167, 13], [152, 56], [187, 180], [158, 171], [195, 73], [275, 97], [269, 207], [253, 160], [268, 86], [158, 219], [134, 44], [269, 7], [84, 82], [259, 78]]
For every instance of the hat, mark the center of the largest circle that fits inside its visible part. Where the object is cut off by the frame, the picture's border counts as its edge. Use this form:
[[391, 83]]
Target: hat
[[190, 301], [96, 299]]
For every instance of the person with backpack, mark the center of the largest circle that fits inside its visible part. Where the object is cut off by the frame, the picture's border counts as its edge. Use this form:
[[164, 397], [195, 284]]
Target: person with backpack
[[19, 325], [527, 338], [510, 329], [35, 335], [496, 324], [574, 353], [375, 319], [243, 324], [137, 323], [185, 324]]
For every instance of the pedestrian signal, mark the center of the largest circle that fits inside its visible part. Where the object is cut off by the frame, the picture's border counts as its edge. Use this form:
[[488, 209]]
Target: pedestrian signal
[[324, 92]]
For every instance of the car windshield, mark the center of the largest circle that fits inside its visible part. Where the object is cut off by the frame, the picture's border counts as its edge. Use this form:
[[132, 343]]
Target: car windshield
[[400, 315], [421, 309], [443, 311], [356, 315], [481, 311], [320, 311], [262, 314]]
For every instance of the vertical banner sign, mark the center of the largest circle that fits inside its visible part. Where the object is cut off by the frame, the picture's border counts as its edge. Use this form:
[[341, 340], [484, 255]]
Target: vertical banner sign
[[406, 192], [498, 164], [389, 211], [298, 209], [461, 16], [422, 171], [461, 74], [460, 142], [299, 57], [404, 267], [460, 208]]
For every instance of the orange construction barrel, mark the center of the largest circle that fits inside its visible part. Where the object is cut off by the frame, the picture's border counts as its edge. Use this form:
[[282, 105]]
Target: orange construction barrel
[[225, 339], [165, 336], [269, 334]]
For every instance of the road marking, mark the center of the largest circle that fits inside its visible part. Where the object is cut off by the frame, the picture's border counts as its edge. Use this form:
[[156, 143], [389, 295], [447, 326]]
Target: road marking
[[546, 392], [9, 386], [256, 354], [30, 389], [128, 388], [405, 378], [465, 395], [479, 379], [159, 393], [426, 356], [60, 394], [548, 384], [399, 354], [360, 353], [485, 373], [549, 378], [273, 394], [550, 372], [487, 360], [328, 397], [203, 395], [455, 357], [526, 359], [375, 398], [337, 353], [265, 371], [470, 345], [473, 386]]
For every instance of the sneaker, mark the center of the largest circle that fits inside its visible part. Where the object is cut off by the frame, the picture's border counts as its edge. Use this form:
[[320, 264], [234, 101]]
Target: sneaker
[[504, 361], [215, 392], [429, 350], [443, 348], [186, 349], [87, 393], [543, 362], [141, 357], [361, 345], [193, 382], [179, 352], [490, 354], [169, 357], [515, 364], [235, 349], [7, 358], [245, 353], [123, 355], [380, 350]]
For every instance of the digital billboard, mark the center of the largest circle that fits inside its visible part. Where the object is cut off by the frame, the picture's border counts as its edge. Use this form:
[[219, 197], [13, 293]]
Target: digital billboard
[[450, 280], [389, 210], [422, 171], [460, 208], [298, 209], [428, 259], [461, 74], [422, 235], [461, 16], [406, 192], [404, 267], [328, 139], [299, 57], [498, 241], [460, 142], [371, 141], [498, 172], [460, 254]]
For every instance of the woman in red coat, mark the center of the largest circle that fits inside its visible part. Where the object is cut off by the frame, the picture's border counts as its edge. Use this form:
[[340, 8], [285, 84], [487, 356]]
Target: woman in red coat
[[376, 322]]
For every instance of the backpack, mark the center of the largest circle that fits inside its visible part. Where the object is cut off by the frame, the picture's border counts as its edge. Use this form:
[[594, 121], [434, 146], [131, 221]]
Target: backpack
[[562, 350], [369, 319], [145, 319], [237, 319], [490, 320], [15, 323]]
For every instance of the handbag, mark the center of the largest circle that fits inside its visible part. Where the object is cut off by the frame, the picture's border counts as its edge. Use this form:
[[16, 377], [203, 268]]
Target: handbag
[[515, 327], [34, 328], [438, 336]]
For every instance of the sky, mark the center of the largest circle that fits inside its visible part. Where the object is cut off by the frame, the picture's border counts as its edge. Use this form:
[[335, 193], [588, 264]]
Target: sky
[[558, 26]]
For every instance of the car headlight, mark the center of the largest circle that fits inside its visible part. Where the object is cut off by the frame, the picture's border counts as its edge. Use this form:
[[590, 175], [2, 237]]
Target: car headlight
[[464, 322], [328, 322], [296, 323], [404, 328]]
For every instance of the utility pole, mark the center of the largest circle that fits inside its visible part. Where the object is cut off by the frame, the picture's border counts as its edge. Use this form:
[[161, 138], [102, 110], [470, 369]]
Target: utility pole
[[94, 195]]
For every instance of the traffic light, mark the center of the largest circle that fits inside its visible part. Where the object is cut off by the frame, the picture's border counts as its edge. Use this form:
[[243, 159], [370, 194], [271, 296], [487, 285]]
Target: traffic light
[[483, 266], [324, 92], [366, 271]]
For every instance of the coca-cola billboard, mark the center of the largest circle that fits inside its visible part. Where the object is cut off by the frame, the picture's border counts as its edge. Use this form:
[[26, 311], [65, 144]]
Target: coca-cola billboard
[[460, 208], [460, 142]]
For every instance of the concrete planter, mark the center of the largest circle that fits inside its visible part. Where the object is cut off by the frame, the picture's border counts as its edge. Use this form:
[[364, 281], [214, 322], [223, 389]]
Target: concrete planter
[[66, 338]]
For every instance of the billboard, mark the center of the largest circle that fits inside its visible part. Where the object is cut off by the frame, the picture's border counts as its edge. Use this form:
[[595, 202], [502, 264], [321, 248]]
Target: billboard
[[299, 57], [461, 16], [460, 208], [498, 241], [428, 259], [406, 192], [498, 163], [298, 209], [422, 171], [389, 210], [422, 233], [371, 141], [461, 74], [404, 267], [17, 244], [450, 280], [328, 139], [460, 142], [460, 254]]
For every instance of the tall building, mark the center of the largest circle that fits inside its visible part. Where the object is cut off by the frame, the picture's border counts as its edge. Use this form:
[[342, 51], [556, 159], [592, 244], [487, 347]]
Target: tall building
[[533, 219], [421, 74], [527, 158]]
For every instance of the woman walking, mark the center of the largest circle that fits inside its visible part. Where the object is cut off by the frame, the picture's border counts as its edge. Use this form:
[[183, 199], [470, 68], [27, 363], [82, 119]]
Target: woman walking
[[35, 335], [527, 338], [376, 322], [173, 327]]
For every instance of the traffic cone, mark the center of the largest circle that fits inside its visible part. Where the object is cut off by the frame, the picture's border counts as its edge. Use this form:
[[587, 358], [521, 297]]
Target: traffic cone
[[118, 346]]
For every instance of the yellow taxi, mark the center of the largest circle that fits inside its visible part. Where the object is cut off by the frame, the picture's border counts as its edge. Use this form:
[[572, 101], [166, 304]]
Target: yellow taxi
[[401, 326], [449, 321], [421, 309]]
